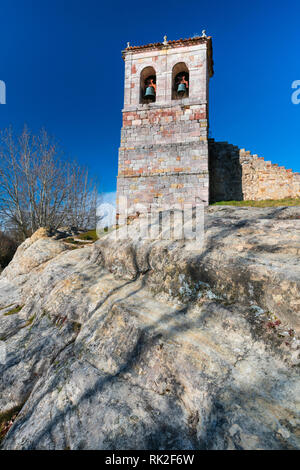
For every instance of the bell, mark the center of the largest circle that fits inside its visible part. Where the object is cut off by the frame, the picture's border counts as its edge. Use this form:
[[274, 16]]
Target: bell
[[150, 93], [181, 88]]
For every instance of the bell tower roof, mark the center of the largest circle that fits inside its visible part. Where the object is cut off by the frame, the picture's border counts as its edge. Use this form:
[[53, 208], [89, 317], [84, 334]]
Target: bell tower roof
[[174, 44]]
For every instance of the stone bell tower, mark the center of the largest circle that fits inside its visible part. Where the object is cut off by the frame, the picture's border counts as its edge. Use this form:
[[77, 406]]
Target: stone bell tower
[[163, 157]]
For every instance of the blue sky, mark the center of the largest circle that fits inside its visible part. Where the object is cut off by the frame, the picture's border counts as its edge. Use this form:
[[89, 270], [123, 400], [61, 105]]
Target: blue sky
[[61, 61]]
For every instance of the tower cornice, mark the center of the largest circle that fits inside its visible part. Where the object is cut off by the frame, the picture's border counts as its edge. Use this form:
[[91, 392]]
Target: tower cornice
[[174, 44]]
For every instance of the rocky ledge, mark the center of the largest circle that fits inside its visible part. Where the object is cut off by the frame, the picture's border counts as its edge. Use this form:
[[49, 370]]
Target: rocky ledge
[[155, 344]]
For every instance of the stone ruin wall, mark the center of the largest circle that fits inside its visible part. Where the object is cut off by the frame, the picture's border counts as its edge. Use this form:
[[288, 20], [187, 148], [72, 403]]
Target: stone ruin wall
[[236, 174], [263, 180]]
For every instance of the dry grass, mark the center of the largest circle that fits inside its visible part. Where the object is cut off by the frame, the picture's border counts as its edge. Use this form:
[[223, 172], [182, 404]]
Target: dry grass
[[90, 235], [7, 419], [265, 203], [13, 310]]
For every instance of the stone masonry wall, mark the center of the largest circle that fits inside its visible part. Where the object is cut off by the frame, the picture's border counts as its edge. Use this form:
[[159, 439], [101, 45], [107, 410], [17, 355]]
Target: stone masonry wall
[[236, 174], [166, 155], [225, 172], [163, 157]]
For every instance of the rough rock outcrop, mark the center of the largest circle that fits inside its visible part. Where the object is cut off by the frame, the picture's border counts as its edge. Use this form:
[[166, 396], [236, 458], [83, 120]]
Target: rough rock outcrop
[[156, 345]]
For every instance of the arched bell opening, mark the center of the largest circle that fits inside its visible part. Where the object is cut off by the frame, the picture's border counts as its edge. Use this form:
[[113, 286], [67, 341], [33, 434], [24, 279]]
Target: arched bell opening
[[148, 85], [180, 81]]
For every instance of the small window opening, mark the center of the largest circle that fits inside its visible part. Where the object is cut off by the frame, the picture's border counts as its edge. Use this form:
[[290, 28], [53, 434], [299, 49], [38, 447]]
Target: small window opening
[[148, 86], [180, 79]]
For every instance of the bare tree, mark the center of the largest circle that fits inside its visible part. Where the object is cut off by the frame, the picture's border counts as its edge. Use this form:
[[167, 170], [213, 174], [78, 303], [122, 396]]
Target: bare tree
[[39, 188]]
